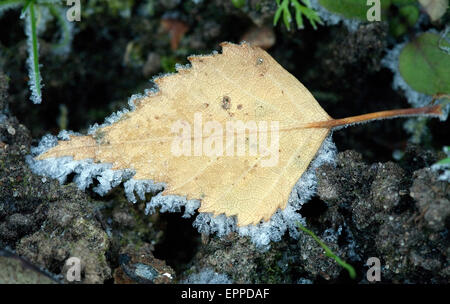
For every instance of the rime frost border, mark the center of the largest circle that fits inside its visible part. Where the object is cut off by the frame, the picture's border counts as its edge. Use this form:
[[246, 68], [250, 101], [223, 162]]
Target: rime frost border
[[31, 30], [331, 19]]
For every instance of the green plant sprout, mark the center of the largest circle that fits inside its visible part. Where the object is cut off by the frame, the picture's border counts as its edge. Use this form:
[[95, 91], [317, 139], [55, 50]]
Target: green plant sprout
[[36, 13], [329, 253], [300, 10]]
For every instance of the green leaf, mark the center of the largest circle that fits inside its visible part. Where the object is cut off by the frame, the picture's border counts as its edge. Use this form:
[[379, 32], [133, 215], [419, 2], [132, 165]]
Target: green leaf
[[25, 6], [298, 18], [300, 11], [424, 66], [352, 8], [312, 16], [308, 3]]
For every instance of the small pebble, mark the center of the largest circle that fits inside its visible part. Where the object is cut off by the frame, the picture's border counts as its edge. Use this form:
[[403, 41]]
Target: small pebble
[[11, 130]]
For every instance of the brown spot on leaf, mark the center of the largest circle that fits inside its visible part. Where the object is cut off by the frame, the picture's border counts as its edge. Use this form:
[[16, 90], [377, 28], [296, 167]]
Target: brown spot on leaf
[[226, 103]]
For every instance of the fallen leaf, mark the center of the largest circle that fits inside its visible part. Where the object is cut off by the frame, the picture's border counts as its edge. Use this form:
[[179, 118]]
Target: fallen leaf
[[244, 84], [435, 8]]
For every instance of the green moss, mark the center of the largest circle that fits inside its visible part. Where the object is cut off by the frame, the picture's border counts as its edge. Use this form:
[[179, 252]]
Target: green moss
[[168, 64], [302, 8]]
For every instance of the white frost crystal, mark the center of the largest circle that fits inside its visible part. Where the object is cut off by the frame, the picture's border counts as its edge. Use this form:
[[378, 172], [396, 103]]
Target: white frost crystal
[[391, 61]]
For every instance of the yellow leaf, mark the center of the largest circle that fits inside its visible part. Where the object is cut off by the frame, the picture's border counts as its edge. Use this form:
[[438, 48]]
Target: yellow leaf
[[434, 8], [183, 136]]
